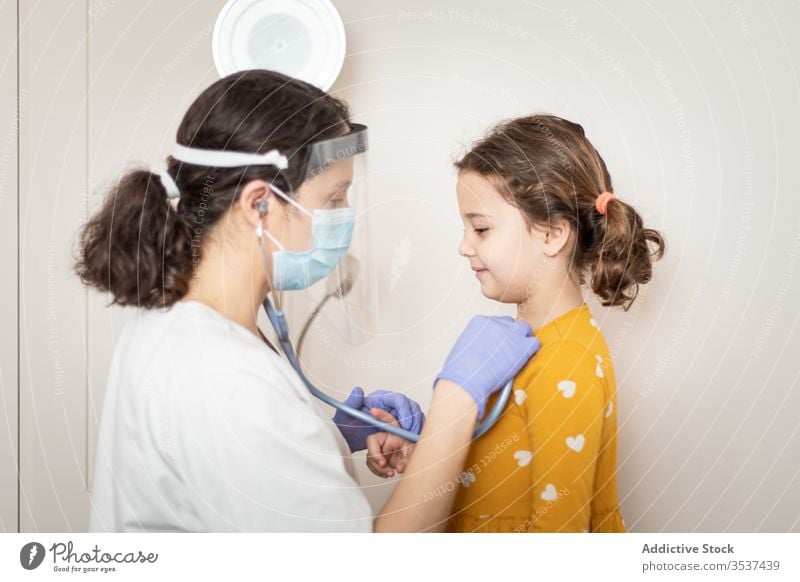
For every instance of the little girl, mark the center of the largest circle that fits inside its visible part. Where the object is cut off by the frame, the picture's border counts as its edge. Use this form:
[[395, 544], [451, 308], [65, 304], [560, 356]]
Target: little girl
[[541, 220]]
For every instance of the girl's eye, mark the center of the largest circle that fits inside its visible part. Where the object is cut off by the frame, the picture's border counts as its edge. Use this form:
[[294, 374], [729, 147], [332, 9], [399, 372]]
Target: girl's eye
[[480, 231]]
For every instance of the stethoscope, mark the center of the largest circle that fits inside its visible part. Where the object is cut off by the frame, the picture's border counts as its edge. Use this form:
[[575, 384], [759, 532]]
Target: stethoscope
[[278, 320]]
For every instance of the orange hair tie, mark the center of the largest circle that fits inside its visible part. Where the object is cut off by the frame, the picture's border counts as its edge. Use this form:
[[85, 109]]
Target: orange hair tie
[[602, 201]]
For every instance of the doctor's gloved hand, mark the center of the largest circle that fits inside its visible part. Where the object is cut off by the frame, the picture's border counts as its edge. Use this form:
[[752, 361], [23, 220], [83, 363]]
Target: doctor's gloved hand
[[487, 354], [355, 432]]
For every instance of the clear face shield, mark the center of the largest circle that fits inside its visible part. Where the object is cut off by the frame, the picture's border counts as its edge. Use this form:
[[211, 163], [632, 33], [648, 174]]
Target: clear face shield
[[324, 256], [334, 233]]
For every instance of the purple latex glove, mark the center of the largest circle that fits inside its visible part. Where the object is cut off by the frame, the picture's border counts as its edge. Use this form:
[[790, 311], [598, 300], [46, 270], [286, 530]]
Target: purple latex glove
[[355, 432], [487, 354]]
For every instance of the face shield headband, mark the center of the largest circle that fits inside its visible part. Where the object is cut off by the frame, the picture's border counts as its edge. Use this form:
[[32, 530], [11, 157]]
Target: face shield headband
[[322, 154]]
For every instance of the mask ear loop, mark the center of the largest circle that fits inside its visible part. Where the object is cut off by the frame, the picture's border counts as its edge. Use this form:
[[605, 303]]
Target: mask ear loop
[[288, 199], [263, 210]]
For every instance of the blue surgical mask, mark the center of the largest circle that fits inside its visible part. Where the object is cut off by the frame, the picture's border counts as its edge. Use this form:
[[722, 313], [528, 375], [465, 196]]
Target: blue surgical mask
[[331, 232]]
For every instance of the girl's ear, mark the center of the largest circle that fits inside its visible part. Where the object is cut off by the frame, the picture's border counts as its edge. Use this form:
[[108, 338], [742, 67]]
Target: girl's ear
[[556, 237]]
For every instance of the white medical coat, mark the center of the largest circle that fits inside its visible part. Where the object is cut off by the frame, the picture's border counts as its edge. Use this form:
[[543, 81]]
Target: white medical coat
[[205, 428]]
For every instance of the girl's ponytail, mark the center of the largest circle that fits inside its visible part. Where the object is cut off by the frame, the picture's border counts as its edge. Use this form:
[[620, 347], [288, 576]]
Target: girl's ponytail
[[137, 247], [621, 257]]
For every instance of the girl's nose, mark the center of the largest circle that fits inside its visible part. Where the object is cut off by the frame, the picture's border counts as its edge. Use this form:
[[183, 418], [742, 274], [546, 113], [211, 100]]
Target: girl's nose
[[464, 249]]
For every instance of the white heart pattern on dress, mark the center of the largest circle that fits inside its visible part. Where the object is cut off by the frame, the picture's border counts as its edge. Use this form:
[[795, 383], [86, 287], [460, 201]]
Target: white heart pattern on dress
[[549, 493], [523, 457], [576, 443], [594, 323], [567, 387], [519, 396], [609, 409]]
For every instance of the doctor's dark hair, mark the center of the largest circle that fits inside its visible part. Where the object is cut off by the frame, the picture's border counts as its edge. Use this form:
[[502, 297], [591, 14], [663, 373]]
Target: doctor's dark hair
[[546, 167], [141, 248]]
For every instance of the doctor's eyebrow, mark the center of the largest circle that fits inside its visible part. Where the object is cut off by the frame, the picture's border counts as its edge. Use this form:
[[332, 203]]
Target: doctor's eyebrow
[[341, 186]]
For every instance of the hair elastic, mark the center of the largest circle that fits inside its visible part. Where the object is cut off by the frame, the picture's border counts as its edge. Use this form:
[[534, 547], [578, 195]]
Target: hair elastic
[[169, 184], [601, 204]]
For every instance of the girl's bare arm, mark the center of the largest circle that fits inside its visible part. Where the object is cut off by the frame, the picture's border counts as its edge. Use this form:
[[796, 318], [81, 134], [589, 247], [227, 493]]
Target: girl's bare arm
[[424, 496]]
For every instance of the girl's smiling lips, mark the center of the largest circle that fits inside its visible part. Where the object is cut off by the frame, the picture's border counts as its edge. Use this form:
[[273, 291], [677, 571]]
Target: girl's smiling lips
[[480, 271]]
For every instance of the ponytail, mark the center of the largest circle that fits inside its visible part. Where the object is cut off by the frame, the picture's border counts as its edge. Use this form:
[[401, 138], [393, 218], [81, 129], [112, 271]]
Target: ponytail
[[623, 256], [137, 247]]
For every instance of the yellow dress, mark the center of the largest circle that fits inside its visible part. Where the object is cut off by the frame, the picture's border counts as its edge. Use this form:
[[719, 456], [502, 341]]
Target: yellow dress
[[549, 464]]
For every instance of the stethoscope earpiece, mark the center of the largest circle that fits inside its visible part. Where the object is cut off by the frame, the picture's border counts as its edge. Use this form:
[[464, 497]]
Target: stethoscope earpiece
[[263, 208]]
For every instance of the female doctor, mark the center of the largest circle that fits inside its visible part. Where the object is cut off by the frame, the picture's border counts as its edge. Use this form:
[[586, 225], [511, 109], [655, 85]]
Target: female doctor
[[204, 426]]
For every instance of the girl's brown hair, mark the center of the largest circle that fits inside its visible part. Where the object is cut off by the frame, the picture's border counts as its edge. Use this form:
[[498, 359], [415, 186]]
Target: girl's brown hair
[[143, 250], [546, 167]]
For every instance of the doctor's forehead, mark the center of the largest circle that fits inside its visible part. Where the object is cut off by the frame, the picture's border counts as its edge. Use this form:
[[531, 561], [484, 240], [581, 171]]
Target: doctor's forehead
[[339, 171], [334, 178]]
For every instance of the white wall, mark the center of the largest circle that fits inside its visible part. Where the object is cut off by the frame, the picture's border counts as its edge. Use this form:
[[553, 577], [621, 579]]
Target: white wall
[[52, 307], [9, 378], [694, 107]]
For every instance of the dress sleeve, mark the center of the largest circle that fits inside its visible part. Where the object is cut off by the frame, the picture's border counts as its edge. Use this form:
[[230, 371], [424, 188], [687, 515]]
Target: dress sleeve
[[260, 458], [565, 403]]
